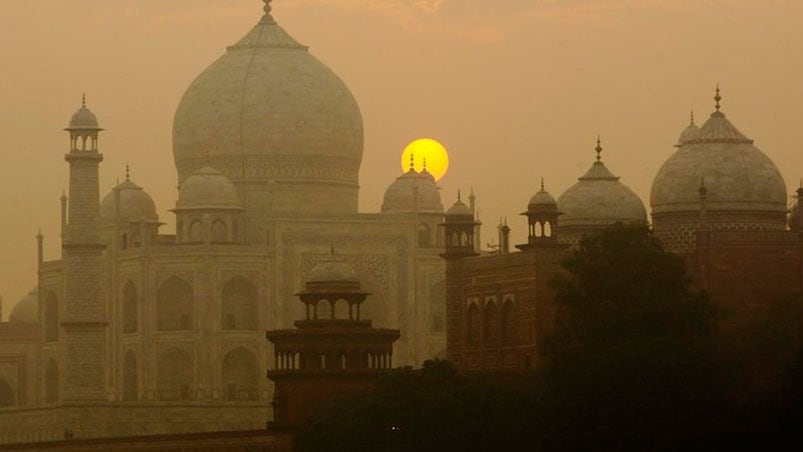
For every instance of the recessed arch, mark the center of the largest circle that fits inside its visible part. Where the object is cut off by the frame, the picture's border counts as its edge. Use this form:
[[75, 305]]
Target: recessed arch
[[51, 317], [174, 375], [473, 323], [240, 375], [507, 322], [130, 378], [239, 304], [491, 321], [197, 233], [174, 305], [220, 232], [8, 396], [130, 307], [52, 388]]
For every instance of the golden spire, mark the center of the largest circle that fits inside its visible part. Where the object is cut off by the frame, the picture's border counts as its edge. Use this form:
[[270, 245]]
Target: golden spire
[[717, 98]]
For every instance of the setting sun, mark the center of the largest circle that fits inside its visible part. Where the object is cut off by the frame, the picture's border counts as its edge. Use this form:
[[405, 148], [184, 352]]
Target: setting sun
[[429, 150]]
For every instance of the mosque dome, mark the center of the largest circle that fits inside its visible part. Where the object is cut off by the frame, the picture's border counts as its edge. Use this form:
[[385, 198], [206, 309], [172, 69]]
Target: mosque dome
[[399, 195], [27, 309], [135, 203], [208, 188], [267, 112], [688, 133], [599, 199], [83, 118], [737, 175]]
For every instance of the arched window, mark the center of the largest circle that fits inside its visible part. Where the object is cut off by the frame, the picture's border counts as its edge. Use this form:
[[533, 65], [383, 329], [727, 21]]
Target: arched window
[[539, 229], [130, 302], [341, 310], [220, 232], [8, 397], [473, 323], [424, 235], [240, 375], [239, 305], [51, 318], [130, 380], [174, 375], [508, 326], [437, 306], [491, 321], [197, 233], [174, 305], [52, 389], [547, 229]]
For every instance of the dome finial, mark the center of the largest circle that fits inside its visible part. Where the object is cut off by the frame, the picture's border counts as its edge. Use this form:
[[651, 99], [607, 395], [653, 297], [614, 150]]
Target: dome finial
[[267, 8], [425, 165], [717, 98], [412, 161], [542, 184], [691, 115], [83, 100], [127, 172], [458, 196], [599, 148]]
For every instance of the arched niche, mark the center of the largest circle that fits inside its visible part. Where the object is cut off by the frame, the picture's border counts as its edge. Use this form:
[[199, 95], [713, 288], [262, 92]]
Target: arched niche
[[130, 308], [473, 323], [8, 396], [220, 232], [174, 375], [507, 323], [491, 321], [240, 375], [174, 305], [239, 304], [52, 388], [130, 378]]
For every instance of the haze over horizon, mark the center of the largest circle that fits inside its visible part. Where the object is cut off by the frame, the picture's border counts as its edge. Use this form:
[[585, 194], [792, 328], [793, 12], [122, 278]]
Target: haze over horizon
[[516, 91]]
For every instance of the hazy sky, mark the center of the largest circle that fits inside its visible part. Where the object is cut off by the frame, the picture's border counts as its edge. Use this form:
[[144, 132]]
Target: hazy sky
[[516, 90]]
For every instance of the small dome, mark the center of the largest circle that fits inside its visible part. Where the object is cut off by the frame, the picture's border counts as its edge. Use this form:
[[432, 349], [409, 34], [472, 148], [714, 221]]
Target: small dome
[[27, 309], [599, 199], [399, 195], [135, 204], [208, 188], [541, 201], [688, 133], [83, 118], [333, 271], [460, 209]]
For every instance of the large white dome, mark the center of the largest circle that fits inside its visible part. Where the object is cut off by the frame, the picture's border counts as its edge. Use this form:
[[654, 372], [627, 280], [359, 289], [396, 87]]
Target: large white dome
[[271, 117]]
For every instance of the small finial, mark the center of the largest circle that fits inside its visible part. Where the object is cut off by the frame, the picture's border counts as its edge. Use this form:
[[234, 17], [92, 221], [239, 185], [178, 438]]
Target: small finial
[[542, 184], [458, 196], [692, 118], [505, 221], [39, 235], [599, 148], [717, 98], [412, 161], [425, 165], [127, 172], [83, 100]]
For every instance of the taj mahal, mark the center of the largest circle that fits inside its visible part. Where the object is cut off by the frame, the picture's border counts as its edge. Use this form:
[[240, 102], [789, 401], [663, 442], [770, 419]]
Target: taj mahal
[[137, 331]]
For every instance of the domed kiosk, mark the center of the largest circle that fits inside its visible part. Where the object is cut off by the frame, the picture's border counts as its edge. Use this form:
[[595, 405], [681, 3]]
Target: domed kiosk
[[277, 122], [743, 188], [597, 200]]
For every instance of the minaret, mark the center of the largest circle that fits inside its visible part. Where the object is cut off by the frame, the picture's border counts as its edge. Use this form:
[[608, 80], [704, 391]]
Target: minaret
[[82, 312]]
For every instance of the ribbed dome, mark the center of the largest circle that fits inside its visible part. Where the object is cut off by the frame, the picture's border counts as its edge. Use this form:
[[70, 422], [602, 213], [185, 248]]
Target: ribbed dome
[[737, 175], [208, 188], [599, 199], [268, 112], [27, 309], [399, 195], [135, 203], [688, 133]]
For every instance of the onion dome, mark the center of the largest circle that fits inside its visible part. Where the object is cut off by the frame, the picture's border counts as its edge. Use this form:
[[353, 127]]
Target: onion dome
[[268, 112], [135, 203], [83, 119], [740, 179], [27, 309], [399, 197], [599, 199], [542, 201], [208, 188], [688, 133]]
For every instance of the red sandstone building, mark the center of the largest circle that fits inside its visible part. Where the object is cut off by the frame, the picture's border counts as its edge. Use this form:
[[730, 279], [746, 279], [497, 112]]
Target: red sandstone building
[[718, 201]]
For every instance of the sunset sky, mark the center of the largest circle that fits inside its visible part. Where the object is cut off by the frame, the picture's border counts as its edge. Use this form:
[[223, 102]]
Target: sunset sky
[[515, 89]]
